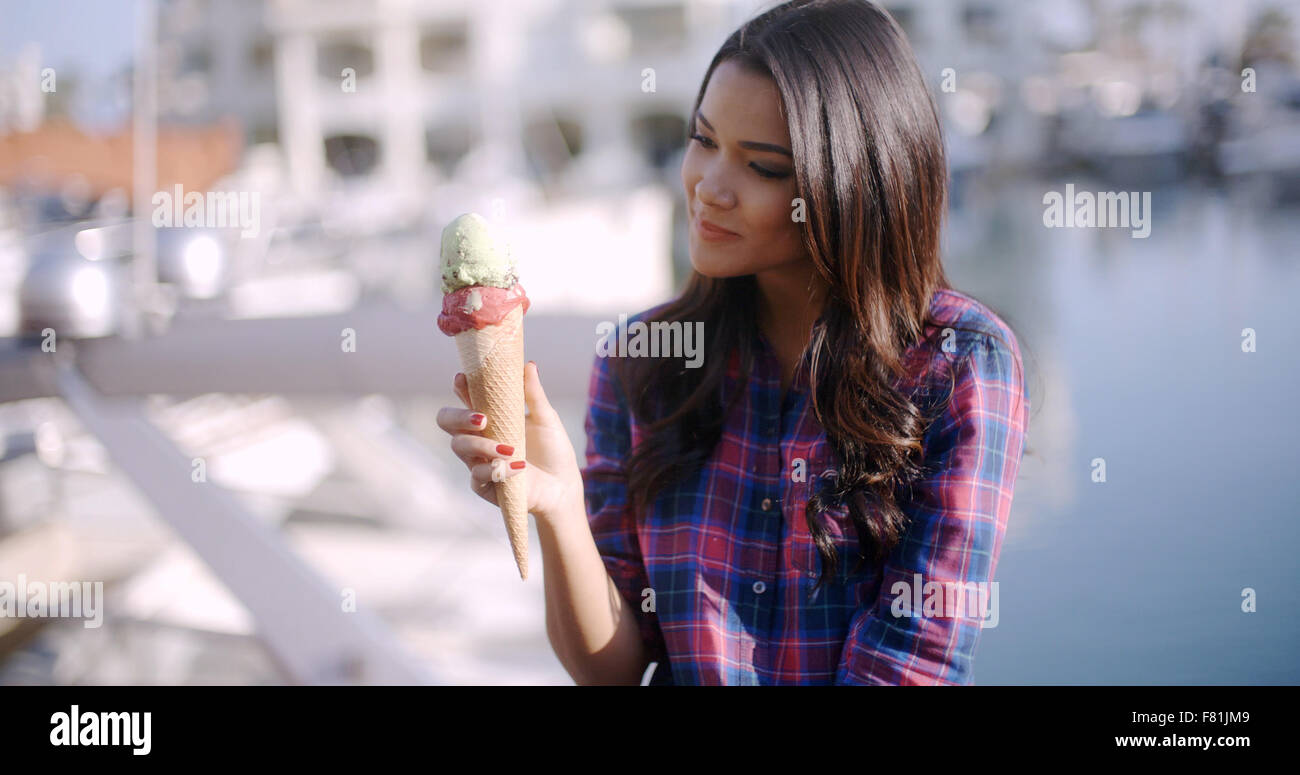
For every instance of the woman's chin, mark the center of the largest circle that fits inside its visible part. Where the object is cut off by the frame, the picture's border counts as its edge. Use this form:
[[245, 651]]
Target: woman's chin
[[717, 270]]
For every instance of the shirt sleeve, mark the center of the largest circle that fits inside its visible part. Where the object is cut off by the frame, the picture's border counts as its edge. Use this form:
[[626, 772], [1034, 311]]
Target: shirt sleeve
[[958, 516], [609, 444]]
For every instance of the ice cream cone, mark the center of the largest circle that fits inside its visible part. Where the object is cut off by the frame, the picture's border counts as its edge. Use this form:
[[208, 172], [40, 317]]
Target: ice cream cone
[[492, 359]]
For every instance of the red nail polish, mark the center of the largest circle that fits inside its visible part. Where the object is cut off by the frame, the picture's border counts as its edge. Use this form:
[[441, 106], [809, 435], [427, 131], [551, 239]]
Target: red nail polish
[[505, 449], [518, 464], [477, 419]]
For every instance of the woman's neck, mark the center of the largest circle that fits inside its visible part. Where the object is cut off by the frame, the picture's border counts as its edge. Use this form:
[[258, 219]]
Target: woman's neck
[[790, 299]]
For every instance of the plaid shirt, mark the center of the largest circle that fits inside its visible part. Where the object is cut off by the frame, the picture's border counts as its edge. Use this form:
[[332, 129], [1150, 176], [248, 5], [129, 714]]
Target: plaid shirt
[[732, 564]]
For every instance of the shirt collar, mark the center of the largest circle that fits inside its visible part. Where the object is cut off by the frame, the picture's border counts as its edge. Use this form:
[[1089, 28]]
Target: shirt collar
[[769, 369]]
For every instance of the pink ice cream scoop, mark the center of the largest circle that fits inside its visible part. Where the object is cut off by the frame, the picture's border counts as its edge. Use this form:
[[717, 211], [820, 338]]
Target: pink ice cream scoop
[[479, 306]]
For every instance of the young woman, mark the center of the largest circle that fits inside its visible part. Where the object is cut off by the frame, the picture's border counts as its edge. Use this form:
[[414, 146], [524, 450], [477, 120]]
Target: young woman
[[854, 431]]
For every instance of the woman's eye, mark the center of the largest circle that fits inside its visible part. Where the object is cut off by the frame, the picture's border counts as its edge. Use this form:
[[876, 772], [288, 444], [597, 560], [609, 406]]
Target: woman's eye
[[763, 171], [768, 173]]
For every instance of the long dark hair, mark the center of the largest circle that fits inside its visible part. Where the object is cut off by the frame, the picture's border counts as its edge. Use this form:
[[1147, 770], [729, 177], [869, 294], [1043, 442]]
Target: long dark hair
[[869, 165]]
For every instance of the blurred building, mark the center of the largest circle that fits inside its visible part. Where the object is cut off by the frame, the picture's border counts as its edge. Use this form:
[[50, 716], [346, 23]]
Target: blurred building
[[22, 108], [412, 92], [402, 95]]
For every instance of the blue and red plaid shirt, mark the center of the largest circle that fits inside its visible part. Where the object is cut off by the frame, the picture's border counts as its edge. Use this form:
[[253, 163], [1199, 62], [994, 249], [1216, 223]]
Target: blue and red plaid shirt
[[732, 568]]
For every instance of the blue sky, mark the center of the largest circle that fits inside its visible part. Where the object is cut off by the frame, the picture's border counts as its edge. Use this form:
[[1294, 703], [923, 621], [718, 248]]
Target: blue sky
[[92, 37], [89, 40]]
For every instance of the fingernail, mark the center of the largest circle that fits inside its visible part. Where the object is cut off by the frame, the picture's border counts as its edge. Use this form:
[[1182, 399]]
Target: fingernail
[[517, 464], [505, 449], [477, 419]]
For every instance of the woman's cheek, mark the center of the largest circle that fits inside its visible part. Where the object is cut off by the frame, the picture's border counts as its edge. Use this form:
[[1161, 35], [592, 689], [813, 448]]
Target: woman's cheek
[[784, 234], [778, 224]]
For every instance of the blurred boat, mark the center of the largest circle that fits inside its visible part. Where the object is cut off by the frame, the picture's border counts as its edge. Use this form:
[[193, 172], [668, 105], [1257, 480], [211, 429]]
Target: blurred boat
[[1148, 147]]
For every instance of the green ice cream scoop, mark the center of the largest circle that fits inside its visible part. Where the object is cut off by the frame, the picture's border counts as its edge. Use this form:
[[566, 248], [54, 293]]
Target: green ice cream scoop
[[475, 252]]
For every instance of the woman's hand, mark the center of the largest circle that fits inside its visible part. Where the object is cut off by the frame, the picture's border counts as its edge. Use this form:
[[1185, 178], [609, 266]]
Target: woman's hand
[[554, 479]]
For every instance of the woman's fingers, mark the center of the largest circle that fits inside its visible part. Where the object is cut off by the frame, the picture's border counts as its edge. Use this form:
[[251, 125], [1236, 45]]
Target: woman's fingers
[[461, 385], [497, 471], [453, 420], [474, 449], [490, 462], [483, 476], [538, 406]]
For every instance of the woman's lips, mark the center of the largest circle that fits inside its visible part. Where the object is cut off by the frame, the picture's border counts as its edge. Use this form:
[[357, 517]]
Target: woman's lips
[[713, 233]]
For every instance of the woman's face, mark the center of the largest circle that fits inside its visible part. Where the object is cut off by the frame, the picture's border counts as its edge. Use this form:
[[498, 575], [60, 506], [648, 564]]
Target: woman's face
[[739, 176]]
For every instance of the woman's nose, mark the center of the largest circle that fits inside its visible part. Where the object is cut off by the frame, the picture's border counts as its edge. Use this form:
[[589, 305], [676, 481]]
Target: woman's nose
[[710, 193]]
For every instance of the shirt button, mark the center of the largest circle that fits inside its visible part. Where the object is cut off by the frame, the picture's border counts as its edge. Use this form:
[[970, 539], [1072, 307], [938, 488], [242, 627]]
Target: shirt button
[[759, 587], [767, 504]]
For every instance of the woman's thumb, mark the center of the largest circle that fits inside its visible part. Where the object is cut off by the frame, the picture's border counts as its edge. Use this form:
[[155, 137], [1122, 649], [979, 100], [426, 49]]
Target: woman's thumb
[[534, 396]]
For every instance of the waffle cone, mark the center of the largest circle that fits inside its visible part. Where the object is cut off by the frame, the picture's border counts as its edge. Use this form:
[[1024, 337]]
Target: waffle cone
[[492, 359]]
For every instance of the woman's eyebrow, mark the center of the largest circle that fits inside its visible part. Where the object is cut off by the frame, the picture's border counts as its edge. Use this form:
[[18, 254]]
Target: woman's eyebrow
[[748, 144]]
